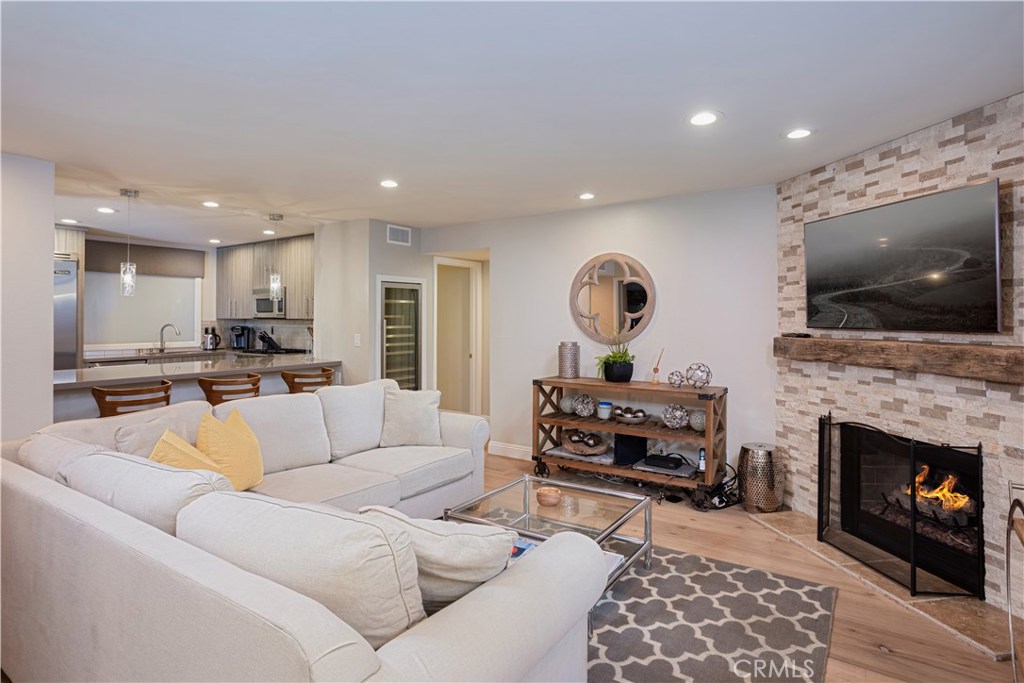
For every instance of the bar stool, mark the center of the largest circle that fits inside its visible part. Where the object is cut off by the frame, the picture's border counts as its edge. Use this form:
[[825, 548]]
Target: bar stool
[[299, 382], [221, 389], [120, 401]]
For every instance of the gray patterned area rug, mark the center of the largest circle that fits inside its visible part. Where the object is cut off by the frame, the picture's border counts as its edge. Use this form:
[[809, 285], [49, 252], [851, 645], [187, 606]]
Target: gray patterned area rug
[[690, 618]]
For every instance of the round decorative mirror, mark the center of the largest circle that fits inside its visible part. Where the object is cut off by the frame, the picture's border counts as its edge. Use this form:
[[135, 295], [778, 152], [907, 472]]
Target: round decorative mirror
[[612, 298]]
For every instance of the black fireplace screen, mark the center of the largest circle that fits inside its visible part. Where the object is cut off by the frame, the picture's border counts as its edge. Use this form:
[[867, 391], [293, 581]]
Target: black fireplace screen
[[908, 509]]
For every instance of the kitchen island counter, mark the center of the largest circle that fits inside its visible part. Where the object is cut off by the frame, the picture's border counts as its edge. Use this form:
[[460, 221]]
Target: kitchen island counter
[[72, 398]]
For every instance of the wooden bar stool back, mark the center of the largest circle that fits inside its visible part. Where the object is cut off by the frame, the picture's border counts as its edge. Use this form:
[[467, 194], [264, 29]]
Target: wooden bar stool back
[[221, 389], [298, 382], [129, 400]]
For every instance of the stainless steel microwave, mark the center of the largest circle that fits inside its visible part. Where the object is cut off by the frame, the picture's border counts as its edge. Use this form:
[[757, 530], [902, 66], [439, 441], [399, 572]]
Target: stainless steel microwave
[[265, 307]]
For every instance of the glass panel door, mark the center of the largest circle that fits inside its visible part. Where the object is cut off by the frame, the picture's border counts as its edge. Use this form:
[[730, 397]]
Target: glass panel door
[[400, 333]]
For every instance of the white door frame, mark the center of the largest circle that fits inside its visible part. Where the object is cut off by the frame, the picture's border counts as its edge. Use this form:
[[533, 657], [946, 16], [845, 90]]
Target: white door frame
[[377, 339], [476, 318]]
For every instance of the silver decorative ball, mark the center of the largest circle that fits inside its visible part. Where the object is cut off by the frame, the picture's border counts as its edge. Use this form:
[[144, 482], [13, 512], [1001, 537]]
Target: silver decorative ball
[[674, 416], [584, 406], [698, 375], [567, 404], [698, 419], [675, 378]]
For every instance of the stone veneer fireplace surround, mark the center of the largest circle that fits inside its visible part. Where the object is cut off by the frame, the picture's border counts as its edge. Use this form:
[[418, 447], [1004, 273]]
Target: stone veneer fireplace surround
[[933, 402]]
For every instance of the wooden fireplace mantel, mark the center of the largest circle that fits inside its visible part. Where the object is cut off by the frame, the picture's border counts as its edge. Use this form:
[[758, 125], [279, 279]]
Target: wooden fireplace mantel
[[1003, 364]]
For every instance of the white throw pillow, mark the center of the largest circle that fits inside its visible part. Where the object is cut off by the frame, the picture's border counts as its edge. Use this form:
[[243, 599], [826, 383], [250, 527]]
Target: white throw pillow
[[51, 454], [140, 439], [354, 416], [146, 490], [348, 563], [452, 558], [411, 418]]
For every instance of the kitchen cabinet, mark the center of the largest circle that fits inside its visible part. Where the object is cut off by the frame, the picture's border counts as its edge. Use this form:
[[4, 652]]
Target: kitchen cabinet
[[243, 268], [296, 261], [234, 281]]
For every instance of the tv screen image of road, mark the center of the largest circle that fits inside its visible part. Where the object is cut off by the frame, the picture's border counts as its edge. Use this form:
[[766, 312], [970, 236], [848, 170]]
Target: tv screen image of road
[[930, 263]]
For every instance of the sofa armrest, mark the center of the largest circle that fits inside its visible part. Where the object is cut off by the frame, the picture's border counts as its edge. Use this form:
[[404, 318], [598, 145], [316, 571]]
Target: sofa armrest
[[503, 629], [9, 449], [462, 430]]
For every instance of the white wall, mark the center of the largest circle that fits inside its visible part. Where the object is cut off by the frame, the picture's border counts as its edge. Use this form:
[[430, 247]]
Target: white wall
[[342, 296], [26, 295], [713, 260]]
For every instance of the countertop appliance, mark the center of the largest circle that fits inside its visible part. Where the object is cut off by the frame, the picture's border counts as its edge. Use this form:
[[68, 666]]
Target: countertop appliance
[[265, 307], [211, 340], [243, 337], [65, 313]]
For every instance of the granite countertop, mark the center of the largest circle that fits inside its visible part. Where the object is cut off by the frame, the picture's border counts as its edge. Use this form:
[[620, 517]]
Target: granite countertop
[[84, 378], [156, 357]]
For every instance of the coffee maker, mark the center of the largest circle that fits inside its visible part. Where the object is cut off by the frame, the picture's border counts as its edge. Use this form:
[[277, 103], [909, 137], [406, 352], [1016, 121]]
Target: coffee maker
[[243, 337]]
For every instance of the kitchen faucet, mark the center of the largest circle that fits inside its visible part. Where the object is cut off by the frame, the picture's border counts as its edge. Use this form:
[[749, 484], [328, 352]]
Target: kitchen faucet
[[163, 344]]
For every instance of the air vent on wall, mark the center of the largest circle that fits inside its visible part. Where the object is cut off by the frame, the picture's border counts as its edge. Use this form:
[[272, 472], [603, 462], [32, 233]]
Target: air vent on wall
[[399, 235]]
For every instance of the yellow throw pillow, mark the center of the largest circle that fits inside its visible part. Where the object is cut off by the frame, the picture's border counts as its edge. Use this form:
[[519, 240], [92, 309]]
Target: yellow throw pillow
[[233, 448], [175, 451]]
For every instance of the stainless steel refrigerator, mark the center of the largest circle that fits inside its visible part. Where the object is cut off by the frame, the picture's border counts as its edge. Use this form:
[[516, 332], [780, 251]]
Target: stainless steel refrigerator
[[65, 314]]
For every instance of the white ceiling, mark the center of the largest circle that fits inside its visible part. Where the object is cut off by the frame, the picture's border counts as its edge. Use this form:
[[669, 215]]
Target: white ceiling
[[478, 110]]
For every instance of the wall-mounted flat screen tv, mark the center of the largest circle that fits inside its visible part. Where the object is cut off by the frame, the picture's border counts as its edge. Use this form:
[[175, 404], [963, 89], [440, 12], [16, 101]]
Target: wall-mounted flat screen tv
[[929, 263]]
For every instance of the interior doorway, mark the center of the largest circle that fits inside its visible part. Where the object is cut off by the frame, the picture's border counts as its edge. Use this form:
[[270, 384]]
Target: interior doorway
[[458, 333]]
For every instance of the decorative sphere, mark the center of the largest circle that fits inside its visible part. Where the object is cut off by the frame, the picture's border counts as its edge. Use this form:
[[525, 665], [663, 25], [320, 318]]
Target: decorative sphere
[[675, 378], [639, 412], [617, 411], [698, 375], [567, 404], [584, 405], [590, 440], [698, 419], [627, 412], [674, 416], [575, 437]]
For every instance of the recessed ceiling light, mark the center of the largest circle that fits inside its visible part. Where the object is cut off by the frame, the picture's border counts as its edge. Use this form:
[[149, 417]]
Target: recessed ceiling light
[[106, 209], [211, 205], [798, 133], [390, 184], [587, 195], [705, 118], [268, 232], [214, 241], [69, 221]]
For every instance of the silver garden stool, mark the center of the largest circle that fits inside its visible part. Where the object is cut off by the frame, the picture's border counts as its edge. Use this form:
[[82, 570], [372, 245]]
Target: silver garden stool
[[762, 477]]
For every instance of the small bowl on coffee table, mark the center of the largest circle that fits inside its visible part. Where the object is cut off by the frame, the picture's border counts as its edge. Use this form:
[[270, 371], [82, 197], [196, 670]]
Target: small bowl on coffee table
[[549, 496]]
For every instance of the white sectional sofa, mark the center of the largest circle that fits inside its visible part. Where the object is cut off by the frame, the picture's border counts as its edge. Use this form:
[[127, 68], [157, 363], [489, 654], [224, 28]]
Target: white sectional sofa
[[90, 591]]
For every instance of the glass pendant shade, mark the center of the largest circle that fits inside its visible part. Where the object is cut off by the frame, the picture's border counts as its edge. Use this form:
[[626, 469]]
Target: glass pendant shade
[[275, 286], [127, 278]]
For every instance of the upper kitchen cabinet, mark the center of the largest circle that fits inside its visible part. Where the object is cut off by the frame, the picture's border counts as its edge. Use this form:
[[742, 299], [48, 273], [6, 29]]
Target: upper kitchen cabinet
[[246, 267], [296, 263], [234, 281]]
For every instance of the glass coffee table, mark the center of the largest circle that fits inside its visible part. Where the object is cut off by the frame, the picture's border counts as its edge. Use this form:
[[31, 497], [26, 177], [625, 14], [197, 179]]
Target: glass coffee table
[[594, 512]]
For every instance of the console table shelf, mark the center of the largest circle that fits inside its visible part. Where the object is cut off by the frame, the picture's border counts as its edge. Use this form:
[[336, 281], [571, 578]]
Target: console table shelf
[[549, 420]]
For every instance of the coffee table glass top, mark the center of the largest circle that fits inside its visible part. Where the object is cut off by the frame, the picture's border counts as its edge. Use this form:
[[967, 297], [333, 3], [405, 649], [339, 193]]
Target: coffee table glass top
[[597, 513]]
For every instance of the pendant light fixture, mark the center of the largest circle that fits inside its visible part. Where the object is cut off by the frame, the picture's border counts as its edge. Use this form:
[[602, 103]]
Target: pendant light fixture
[[127, 267], [276, 289]]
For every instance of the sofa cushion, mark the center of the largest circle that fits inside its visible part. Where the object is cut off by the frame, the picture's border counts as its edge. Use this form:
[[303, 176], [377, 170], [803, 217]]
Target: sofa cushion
[[289, 427], [347, 563], [334, 484], [50, 454], [141, 438], [411, 418], [417, 468], [103, 432], [354, 415], [146, 490], [453, 559], [232, 447]]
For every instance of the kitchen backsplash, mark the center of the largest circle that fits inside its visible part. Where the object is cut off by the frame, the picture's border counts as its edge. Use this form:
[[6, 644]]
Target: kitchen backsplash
[[288, 333]]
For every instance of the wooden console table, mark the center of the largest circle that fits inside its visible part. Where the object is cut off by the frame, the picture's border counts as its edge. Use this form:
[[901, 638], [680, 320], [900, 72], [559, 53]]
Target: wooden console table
[[549, 420]]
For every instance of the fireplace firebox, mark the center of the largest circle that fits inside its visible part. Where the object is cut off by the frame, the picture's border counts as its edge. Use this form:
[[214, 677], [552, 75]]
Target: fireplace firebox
[[909, 509]]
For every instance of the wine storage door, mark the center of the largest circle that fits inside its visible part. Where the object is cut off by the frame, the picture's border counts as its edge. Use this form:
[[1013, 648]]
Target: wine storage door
[[400, 333]]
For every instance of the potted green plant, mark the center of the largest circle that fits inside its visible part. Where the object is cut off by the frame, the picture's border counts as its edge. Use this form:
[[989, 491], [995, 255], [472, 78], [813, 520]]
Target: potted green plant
[[617, 364]]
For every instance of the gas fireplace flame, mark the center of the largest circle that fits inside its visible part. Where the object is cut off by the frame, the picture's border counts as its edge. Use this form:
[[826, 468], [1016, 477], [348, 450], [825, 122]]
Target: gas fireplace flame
[[942, 494]]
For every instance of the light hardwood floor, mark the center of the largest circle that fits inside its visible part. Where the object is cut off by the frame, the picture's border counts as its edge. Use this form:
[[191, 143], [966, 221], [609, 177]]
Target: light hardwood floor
[[873, 640]]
